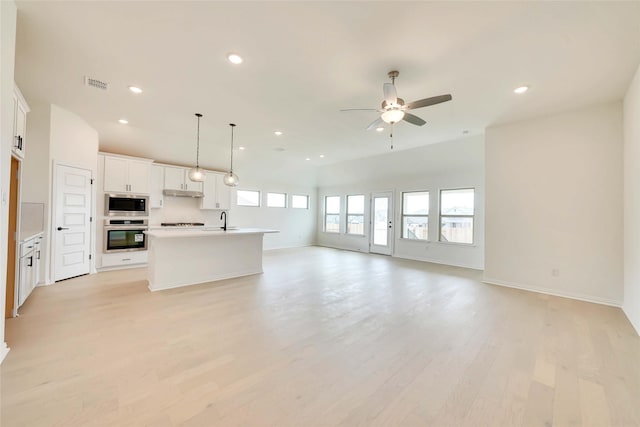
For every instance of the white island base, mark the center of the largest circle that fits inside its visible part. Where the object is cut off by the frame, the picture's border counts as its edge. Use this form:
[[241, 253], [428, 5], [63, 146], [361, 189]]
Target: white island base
[[188, 257]]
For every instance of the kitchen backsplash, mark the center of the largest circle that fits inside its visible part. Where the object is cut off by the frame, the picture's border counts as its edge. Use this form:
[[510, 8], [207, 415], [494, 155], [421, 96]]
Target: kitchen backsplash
[[31, 217], [184, 209]]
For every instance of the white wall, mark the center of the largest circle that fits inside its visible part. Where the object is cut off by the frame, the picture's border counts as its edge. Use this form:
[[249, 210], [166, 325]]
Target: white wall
[[554, 204], [631, 304], [8, 15], [447, 165], [72, 142], [297, 226]]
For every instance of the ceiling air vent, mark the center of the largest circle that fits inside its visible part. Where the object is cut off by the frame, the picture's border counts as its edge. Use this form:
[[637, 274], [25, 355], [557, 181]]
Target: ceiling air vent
[[88, 81]]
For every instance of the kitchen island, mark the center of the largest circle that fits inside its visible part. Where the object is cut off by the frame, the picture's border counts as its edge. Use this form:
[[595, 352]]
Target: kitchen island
[[183, 257]]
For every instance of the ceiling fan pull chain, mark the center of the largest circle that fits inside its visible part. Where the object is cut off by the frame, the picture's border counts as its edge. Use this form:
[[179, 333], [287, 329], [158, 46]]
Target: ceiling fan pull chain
[[391, 135]]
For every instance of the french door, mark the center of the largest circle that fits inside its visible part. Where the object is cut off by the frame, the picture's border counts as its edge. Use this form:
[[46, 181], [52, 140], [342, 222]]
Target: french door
[[381, 236]]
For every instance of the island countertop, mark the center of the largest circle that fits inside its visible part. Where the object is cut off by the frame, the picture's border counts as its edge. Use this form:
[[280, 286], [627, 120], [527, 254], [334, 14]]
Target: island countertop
[[183, 257], [205, 232]]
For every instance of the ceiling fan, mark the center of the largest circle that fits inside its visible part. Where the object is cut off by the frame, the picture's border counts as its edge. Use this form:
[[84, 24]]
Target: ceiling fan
[[394, 109]]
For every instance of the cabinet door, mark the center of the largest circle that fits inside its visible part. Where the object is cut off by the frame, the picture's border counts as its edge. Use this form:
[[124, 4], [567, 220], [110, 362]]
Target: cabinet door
[[192, 185], [26, 277], [139, 176], [209, 189], [116, 171], [37, 261], [157, 185], [21, 127], [223, 194], [173, 178]]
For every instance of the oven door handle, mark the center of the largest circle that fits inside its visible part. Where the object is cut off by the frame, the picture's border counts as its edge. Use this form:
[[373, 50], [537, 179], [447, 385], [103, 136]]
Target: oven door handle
[[115, 227]]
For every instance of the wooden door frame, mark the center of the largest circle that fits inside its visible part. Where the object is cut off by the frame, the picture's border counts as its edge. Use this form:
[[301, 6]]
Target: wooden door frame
[[11, 295]]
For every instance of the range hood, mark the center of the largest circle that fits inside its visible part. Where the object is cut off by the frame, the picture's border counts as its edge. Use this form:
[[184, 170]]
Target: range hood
[[183, 193]]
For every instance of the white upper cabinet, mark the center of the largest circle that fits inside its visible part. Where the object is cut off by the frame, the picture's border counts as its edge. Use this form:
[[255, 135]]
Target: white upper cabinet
[[216, 194], [123, 175], [20, 110], [177, 178], [156, 198]]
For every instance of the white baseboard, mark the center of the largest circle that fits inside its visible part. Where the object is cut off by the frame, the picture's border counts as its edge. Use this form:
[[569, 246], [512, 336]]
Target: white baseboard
[[4, 350], [436, 262], [554, 292]]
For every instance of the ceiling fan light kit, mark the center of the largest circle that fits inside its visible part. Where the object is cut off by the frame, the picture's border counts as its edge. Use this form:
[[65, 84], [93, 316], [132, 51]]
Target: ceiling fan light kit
[[197, 174], [394, 110], [231, 179]]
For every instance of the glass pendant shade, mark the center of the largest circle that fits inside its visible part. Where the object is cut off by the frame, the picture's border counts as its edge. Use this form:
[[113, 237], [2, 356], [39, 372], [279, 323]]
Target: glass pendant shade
[[231, 179], [197, 174], [392, 116]]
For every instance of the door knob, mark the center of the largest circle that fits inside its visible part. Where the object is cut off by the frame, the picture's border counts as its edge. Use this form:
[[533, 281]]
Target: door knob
[[62, 228]]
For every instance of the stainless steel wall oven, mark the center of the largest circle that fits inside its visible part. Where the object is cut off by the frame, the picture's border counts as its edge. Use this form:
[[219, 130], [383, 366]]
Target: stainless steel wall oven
[[124, 235]]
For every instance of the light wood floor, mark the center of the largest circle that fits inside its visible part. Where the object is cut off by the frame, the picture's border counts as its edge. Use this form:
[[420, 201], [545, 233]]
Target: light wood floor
[[322, 338]]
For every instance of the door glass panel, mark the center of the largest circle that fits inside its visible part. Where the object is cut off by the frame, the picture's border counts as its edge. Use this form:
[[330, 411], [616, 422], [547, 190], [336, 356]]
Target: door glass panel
[[381, 218]]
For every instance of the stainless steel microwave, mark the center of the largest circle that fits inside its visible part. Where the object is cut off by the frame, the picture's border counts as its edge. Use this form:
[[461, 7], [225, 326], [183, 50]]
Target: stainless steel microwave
[[126, 205]]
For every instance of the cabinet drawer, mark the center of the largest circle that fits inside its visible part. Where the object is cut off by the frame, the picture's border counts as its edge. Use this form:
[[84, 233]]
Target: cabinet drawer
[[27, 246], [124, 258]]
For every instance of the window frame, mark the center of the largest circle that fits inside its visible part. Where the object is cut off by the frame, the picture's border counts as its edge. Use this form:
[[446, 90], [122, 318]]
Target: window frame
[[324, 222], [250, 191], [473, 217], [300, 195], [278, 193], [347, 214], [403, 215]]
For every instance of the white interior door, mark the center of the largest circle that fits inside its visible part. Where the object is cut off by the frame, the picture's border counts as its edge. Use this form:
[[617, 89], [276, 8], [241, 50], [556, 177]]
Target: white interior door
[[381, 223], [72, 226]]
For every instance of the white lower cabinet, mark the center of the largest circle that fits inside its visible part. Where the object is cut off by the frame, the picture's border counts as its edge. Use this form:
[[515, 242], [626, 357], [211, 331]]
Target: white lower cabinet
[[120, 259], [29, 268]]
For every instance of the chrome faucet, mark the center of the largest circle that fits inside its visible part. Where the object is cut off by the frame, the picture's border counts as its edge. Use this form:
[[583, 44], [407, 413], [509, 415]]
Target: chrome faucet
[[224, 214]]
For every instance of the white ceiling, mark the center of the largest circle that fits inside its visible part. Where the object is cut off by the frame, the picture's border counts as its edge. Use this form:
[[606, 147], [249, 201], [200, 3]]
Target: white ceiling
[[304, 61]]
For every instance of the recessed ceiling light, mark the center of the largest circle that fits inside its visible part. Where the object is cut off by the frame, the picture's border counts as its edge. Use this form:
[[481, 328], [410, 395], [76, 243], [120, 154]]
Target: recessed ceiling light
[[521, 89], [278, 133], [123, 121], [464, 132], [322, 156], [234, 58], [308, 158], [380, 129], [240, 148], [135, 89], [279, 149]]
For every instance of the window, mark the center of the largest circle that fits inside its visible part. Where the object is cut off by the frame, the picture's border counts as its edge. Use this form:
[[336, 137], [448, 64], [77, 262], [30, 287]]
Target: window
[[332, 214], [355, 215], [299, 202], [415, 215], [276, 200], [247, 198], [456, 215]]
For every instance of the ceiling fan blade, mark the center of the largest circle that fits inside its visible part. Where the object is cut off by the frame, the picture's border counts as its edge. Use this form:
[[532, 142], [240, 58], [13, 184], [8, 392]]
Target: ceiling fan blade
[[359, 109], [414, 120], [428, 101], [390, 94], [376, 123]]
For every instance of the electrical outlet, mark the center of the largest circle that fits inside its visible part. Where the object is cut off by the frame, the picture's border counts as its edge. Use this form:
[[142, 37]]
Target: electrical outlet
[[555, 272]]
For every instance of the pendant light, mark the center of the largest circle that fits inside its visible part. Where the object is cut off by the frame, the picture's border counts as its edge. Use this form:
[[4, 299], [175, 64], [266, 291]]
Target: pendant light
[[231, 179], [197, 174]]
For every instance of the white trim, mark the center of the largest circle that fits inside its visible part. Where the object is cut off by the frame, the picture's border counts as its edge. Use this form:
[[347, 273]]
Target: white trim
[[436, 262], [548, 291], [4, 350]]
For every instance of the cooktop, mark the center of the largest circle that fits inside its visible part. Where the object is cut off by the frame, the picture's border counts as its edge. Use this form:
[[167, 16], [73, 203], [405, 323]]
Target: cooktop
[[182, 224]]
